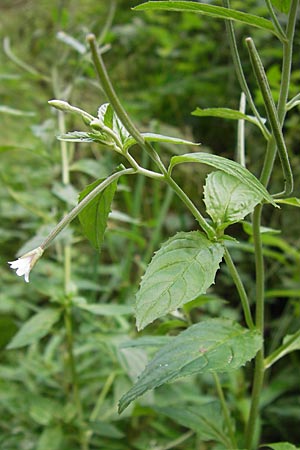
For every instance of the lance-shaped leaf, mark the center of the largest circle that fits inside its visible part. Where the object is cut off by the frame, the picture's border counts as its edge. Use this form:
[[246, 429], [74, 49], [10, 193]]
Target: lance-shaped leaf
[[291, 342], [217, 12], [292, 201], [76, 136], [153, 137], [217, 345], [35, 328], [227, 199], [227, 113], [226, 165], [93, 217], [183, 268]]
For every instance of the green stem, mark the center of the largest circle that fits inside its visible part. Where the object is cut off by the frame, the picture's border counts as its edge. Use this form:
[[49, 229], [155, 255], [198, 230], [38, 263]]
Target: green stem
[[210, 232], [225, 410], [287, 61], [64, 150], [259, 322], [131, 128], [272, 115], [275, 21], [284, 89], [115, 102], [240, 73], [108, 22], [75, 211], [240, 288], [265, 177]]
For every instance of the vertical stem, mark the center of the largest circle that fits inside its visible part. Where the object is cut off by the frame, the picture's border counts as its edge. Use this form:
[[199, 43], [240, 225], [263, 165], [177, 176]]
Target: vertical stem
[[240, 73], [64, 150], [240, 288], [259, 322]]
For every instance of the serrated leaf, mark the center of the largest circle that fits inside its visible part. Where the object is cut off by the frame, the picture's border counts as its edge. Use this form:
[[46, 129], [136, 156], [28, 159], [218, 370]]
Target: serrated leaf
[[153, 137], [282, 5], [226, 113], [293, 201], [282, 446], [93, 217], [227, 199], [217, 345], [226, 165], [183, 268], [35, 328], [217, 12], [206, 420]]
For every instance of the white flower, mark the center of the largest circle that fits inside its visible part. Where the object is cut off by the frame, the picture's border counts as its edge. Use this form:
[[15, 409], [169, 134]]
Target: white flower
[[25, 263]]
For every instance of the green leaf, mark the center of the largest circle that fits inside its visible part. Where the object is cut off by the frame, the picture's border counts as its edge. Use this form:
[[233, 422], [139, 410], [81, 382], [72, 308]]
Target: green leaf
[[226, 113], [93, 217], [75, 136], [227, 199], [51, 438], [35, 328], [228, 166], [291, 342], [282, 446], [206, 420], [217, 345], [282, 5], [295, 101], [217, 12], [105, 114], [183, 268], [293, 201], [152, 137]]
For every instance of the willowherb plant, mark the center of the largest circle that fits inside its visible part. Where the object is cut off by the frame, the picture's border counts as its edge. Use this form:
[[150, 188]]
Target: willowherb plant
[[186, 264]]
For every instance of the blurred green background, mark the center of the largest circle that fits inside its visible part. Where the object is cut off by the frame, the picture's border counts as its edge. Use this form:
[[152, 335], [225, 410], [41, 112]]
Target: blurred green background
[[163, 66]]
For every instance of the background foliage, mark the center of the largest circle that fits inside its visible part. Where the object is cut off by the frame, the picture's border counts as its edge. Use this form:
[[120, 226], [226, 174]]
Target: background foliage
[[163, 66]]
